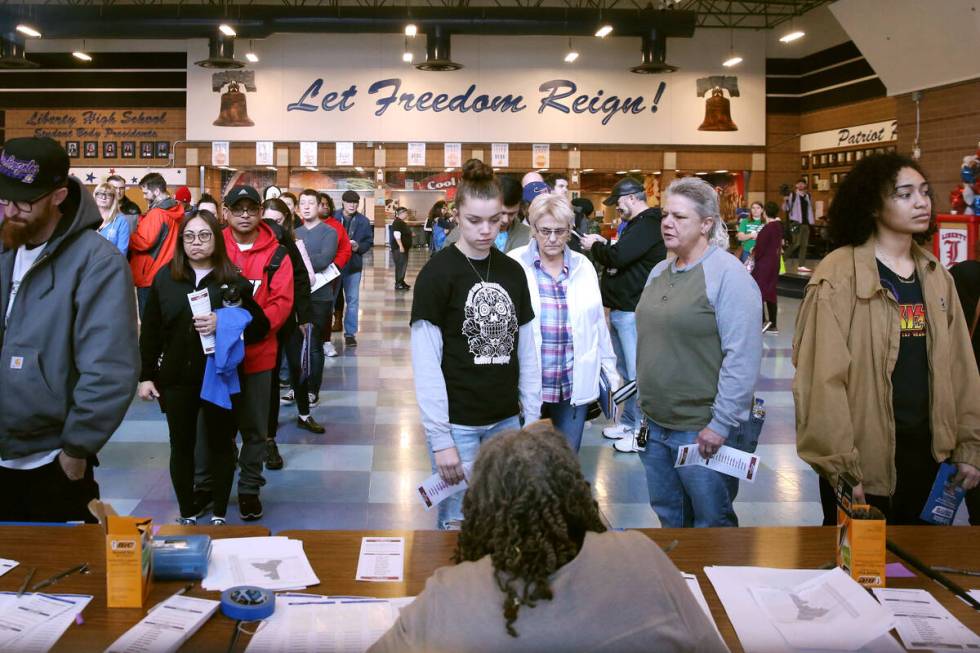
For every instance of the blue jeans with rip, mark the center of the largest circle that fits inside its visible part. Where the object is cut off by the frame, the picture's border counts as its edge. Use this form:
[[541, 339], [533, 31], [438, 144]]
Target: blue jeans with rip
[[352, 300], [686, 496], [567, 419], [622, 329], [467, 440]]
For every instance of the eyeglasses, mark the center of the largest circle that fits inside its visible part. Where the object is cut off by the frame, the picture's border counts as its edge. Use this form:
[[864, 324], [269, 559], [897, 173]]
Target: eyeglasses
[[252, 212], [557, 233], [104, 196], [190, 236], [22, 205]]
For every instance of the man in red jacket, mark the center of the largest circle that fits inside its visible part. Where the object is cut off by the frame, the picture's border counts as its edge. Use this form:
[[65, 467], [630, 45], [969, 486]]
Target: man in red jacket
[[343, 256], [253, 248], [151, 245]]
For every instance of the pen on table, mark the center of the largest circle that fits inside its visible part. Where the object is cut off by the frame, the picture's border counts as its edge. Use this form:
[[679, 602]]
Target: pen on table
[[82, 568], [953, 570], [934, 575], [670, 547], [27, 581]]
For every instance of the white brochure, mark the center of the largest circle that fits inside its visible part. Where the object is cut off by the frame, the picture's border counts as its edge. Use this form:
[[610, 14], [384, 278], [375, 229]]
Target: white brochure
[[21, 616], [434, 490], [382, 559], [733, 462], [7, 565], [923, 623], [167, 626], [200, 302]]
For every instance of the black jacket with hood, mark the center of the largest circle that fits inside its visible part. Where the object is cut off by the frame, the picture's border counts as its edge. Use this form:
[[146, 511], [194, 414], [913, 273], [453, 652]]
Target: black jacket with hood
[[68, 352]]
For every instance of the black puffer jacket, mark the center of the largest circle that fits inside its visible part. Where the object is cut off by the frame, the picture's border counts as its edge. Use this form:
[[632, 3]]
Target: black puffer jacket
[[628, 262]]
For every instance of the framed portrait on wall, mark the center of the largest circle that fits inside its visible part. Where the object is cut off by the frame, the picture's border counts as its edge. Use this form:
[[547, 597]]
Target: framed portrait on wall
[[804, 161], [109, 150], [128, 149], [834, 179], [824, 158], [91, 150], [849, 156], [163, 149], [146, 149], [858, 155], [71, 147], [806, 179]]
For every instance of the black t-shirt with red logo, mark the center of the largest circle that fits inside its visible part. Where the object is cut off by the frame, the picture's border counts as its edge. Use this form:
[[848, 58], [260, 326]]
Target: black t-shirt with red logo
[[910, 378]]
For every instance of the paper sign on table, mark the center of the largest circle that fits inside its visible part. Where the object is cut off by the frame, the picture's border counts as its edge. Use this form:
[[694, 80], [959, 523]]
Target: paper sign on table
[[200, 302], [167, 626], [728, 460], [273, 563], [382, 559], [923, 623], [7, 565], [434, 490]]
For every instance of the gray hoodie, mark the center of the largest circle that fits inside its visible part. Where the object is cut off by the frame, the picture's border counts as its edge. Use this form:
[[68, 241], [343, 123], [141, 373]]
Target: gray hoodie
[[69, 359]]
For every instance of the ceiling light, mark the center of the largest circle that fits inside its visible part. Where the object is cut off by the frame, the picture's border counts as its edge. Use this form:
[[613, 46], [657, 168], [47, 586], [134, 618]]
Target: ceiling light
[[359, 168], [604, 31], [411, 30], [271, 168], [27, 30], [227, 30], [792, 36], [449, 169], [700, 173], [252, 57], [720, 172], [588, 169], [657, 172], [635, 170], [571, 56], [620, 172], [732, 61], [407, 56], [311, 168], [78, 54], [403, 169]]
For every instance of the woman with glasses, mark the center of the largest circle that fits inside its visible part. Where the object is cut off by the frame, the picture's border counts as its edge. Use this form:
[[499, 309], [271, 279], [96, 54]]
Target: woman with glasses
[[569, 326], [886, 387], [114, 227], [173, 357]]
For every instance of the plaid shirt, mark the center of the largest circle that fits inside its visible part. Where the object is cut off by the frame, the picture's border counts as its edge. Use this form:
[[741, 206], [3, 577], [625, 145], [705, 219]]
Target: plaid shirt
[[556, 333]]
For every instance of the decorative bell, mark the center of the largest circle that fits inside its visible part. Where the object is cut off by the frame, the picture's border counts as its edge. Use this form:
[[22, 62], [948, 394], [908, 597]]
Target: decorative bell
[[234, 111], [718, 114]]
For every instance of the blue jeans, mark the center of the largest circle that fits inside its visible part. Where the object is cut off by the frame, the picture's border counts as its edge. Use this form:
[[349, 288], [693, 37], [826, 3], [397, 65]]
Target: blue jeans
[[622, 329], [688, 496], [352, 300], [467, 440], [568, 419]]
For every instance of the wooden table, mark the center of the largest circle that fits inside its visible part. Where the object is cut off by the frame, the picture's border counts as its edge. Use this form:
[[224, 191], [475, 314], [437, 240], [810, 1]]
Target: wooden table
[[334, 554]]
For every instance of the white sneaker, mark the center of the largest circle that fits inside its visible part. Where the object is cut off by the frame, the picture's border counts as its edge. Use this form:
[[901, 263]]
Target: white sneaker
[[765, 327], [616, 432], [628, 444], [328, 350]]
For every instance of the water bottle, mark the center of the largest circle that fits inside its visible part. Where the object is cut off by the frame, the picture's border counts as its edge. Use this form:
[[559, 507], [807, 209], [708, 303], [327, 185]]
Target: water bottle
[[759, 409]]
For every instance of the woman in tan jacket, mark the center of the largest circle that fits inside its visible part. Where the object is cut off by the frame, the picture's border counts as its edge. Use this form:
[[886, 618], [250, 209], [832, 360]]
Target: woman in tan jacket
[[885, 386]]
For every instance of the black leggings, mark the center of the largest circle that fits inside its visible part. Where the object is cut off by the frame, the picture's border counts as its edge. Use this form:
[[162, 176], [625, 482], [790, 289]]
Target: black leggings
[[182, 405], [290, 345]]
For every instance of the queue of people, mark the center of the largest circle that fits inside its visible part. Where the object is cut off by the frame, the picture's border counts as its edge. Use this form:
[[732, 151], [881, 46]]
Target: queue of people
[[507, 326]]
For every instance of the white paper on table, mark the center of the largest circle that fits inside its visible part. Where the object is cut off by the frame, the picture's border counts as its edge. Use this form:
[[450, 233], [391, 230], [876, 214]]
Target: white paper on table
[[258, 559], [382, 559], [167, 626], [43, 638], [728, 460], [7, 565], [692, 584], [758, 635], [831, 612], [923, 623], [434, 490], [200, 301], [21, 614]]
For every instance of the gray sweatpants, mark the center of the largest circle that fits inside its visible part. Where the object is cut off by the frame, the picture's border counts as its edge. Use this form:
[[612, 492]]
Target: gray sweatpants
[[251, 408]]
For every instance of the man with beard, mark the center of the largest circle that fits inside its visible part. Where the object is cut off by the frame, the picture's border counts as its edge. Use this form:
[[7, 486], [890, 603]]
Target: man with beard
[[627, 265], [151, 245], [68, 342]]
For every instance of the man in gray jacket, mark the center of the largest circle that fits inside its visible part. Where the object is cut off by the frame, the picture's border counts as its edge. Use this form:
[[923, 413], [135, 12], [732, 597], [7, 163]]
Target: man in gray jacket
[[68, 349]]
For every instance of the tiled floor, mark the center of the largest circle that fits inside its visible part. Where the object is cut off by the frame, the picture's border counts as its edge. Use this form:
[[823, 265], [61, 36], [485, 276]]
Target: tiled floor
[[363, 471]]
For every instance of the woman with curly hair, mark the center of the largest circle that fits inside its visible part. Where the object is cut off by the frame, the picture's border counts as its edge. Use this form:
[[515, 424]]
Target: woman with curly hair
[[533, 544], [886, 387]]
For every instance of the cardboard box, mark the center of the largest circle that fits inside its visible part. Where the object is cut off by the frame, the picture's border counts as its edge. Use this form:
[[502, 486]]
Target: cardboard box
[[860, 537], [128, 557]]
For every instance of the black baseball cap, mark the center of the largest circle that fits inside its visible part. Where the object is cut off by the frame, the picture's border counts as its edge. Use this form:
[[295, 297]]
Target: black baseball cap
[[584, 204], [350, 196], [625, 186], [31, 167], [242, 193]]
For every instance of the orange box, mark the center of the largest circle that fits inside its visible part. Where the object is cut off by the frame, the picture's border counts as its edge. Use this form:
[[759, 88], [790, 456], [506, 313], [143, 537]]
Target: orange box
[[861, 544], [129, 560]]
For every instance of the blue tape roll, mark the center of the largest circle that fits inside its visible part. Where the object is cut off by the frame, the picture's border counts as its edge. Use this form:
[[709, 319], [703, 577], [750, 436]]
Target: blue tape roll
[[247, 603]]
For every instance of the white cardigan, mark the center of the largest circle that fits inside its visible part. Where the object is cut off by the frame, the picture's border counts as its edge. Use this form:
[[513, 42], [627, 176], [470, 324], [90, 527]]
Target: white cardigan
[[591, 346]]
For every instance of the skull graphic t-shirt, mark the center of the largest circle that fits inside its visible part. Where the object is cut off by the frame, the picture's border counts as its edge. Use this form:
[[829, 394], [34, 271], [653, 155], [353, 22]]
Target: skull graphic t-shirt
[[479, 305]]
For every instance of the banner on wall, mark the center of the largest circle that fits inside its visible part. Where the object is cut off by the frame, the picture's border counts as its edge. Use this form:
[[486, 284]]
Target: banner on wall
[[416, 154], [500, 155], [345, 153], [540, 155], [452, 155], [263, 153], [220, 153], [356, 87], [870, 134], [307, 153]]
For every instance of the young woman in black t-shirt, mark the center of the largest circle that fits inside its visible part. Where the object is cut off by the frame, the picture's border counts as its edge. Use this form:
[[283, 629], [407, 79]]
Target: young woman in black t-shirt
[[473, 358]]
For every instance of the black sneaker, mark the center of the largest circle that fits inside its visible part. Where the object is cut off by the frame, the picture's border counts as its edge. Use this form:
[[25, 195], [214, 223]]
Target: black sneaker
[[249, 507], [309, 424], [350, 341], [272, 458]]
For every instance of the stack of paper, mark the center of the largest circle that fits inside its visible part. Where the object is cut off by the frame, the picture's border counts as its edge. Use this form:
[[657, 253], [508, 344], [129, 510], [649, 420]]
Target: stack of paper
[[692, 584], [325, 624], [801, 610], [273, 563], [167, 626], [923, 623], [7, 565], [33, 623]]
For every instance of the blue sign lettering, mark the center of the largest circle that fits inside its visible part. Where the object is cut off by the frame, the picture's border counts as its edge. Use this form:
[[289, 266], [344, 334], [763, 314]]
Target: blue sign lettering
[[329, 102]]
